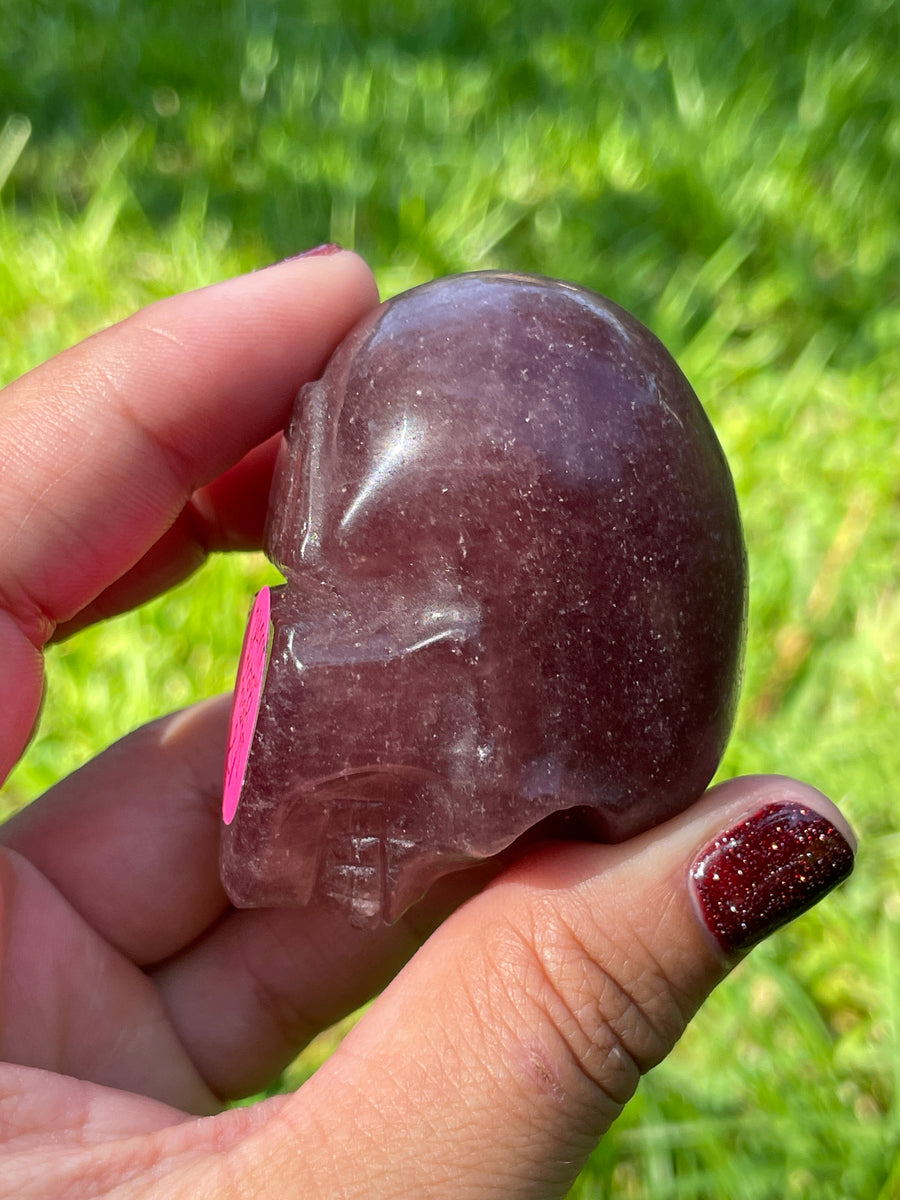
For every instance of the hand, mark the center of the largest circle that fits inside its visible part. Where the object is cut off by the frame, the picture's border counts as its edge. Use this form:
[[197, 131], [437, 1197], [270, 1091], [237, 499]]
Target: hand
[[134, 999]]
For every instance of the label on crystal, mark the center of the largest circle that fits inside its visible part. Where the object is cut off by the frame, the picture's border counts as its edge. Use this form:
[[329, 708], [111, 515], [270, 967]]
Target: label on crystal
[[247, 696]]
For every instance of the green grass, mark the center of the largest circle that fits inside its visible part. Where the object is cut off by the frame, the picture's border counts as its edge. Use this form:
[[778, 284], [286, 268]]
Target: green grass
[[729, 173]]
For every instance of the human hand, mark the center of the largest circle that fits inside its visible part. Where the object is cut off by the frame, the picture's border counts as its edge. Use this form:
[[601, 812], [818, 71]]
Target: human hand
[[133, 999]]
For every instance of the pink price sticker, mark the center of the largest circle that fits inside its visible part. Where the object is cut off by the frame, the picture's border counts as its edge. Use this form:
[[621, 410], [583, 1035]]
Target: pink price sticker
[[247, 697]]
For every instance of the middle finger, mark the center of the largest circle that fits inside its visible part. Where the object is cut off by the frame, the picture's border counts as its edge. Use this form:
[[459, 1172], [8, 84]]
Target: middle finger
[[131, 841]]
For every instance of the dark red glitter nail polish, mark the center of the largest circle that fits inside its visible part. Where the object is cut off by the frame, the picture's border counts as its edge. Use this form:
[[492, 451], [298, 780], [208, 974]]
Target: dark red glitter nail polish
[[318, 251], [764, 872]]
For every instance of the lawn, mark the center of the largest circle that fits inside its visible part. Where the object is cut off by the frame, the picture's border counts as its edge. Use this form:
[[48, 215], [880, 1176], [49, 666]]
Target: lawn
[[730, 174]]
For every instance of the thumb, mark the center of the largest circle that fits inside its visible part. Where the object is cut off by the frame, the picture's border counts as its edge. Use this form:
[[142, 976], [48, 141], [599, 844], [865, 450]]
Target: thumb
[[501, 1054]]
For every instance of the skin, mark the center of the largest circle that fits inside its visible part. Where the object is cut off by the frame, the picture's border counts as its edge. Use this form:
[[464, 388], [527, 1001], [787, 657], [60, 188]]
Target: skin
[[133, 1000]]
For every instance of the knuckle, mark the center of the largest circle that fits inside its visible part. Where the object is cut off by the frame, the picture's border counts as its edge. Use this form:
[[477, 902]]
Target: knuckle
[[596, 1005], [29, 612]]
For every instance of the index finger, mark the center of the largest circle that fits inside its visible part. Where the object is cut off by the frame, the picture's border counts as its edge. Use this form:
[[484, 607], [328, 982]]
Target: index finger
[[103, 446]]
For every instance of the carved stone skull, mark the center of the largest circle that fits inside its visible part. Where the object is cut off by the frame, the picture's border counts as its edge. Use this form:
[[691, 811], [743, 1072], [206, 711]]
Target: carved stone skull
[[515, 595]]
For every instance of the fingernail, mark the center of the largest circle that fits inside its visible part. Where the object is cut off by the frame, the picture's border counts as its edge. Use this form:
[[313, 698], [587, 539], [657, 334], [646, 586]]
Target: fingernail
[[316, 252], [764, 872]]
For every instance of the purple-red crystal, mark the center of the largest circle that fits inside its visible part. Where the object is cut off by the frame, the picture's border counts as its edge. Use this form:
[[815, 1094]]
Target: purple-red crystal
[[515, 594]]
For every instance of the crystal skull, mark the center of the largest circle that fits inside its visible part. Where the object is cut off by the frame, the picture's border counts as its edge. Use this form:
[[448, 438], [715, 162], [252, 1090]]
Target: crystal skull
[[515, 598]]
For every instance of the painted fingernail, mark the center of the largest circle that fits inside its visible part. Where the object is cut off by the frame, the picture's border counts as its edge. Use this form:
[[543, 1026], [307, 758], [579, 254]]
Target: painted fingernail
[[316, 251], [764, 872]]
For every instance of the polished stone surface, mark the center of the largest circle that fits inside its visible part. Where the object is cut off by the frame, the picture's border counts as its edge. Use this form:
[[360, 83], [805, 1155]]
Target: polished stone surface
[[516, 587]]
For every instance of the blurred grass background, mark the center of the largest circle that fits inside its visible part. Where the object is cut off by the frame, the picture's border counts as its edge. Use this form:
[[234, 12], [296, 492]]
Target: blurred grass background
[[729, 173]]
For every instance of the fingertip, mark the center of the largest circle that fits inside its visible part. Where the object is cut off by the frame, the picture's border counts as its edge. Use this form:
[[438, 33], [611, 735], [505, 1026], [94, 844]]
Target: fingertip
[[337, 263], [754, 791], [783, 849], [147, 412]]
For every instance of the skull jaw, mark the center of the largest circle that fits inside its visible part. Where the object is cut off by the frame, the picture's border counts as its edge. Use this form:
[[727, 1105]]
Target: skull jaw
[[336, 844], [382, 759]]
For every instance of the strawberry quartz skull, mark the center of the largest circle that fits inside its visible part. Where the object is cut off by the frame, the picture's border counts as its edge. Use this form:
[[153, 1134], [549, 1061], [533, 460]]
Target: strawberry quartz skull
[[515, 596]]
